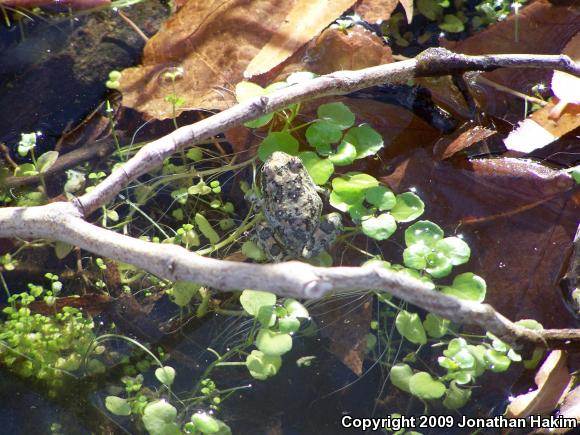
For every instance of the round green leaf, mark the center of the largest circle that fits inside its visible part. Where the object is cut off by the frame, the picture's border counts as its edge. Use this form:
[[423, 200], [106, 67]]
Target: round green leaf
[[358, 212], [365, 139], [467, 286], [409, 326], [438, 265], [345, 154], [452, 24], [429, 9], [435, 326], [183, 291], [205, 423], [455, 249], [415, 256], [165, 375], [266, 316], [117, 405], [251, 250], [263, 366], [352, 186], [408, 207], [252, 300], [46, 160], [321, 133], [247, 90], [296, 309], [277, 141], [288, 325], [400, 376], [425, 232], [381, 197], [454, 347], [336, 201], [497, 361], [319, 169], [456, 397], [337, 113], [380, 227], [159, 419], [25, 170], [273, 343], [425, 387]]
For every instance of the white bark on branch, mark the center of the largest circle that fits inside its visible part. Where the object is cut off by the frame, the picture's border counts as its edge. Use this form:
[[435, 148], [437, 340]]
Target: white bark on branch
[[65, 221]]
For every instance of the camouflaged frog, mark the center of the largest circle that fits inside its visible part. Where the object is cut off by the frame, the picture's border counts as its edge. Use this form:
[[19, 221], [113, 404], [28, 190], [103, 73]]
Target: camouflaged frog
[[293, 227]]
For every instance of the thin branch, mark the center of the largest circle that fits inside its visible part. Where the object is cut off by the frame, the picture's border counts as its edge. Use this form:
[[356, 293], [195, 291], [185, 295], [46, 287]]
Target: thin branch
[[65, 221], [435, 61]]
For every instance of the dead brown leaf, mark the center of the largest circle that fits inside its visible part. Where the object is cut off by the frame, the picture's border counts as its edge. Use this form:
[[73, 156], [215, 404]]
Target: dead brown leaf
[[519, 218], [448, 146], [380, 10], [566, 86], [306, 19], [346, 323], [552, 379], [540, 129], [534, 22], [571, 406], [213, 41]]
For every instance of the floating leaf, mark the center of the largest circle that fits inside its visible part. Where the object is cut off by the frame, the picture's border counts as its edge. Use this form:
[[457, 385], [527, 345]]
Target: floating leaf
[[352, 186], [319, 169], [467, 286], [205, 423], [296, 309], [425, 387], [425, 232], [409, 326], [345, 154], [165, 375], [365, 139], [273, 343], [337, 113], [456, 397], [277, 141], [253, 300], [323, 133], [159, 419], [400, 376], [435, 326], [117, 405], [408, 207], [455, 249], [452, 24], [263, 366], [380, 227], [46, 160], [183, 291], [381, 197]]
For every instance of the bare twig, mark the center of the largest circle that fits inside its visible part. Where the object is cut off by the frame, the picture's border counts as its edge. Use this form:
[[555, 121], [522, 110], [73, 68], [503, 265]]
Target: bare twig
[[65, 221]]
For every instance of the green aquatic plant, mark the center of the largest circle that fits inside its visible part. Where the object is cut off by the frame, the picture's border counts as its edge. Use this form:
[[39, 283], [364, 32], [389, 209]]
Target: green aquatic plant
[[47, 347]]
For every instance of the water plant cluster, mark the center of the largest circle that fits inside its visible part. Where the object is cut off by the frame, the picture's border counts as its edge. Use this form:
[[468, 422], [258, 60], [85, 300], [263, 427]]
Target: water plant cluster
[[197, 214]]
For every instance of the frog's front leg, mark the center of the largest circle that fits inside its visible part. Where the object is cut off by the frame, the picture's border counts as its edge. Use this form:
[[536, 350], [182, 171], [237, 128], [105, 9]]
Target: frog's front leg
[[324, 236]]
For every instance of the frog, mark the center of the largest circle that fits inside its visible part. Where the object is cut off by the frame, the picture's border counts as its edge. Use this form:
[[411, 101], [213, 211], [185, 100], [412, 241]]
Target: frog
[[293, 226]]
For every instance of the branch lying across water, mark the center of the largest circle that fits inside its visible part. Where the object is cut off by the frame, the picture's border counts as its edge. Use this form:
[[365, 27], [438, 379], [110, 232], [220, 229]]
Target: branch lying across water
[[65, 221]]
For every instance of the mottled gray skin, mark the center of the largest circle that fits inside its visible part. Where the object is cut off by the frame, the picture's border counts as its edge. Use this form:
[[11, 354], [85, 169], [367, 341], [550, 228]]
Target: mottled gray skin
[[292, 209]]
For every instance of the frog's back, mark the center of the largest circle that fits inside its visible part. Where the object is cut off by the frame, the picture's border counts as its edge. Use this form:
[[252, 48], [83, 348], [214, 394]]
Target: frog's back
[[291, 204]]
